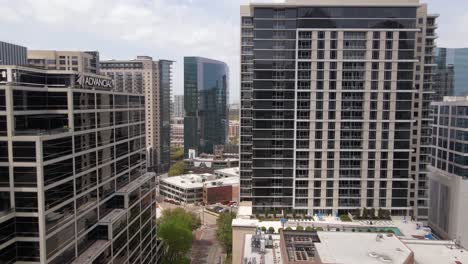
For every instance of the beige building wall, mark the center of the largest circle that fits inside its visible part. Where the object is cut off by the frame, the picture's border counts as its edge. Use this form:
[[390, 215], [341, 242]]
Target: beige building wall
[[238, 240], [126, 79], [65, 60]]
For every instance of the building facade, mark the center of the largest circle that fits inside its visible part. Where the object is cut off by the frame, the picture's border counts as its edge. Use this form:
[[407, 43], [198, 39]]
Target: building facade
[[449, 174], [206, 97], [451, 75], [12, 54], [178, 106], [177, 132], [73, 177], [155, 79], [80, 61], [335, 105]]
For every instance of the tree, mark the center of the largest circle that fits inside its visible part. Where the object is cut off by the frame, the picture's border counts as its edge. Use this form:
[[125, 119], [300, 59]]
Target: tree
[[177, 153], [177, 168], [271, 230], [299, 228], [263, 228], [234, 141], [309, 229], [224, 231], [190, 219], [177, 240]]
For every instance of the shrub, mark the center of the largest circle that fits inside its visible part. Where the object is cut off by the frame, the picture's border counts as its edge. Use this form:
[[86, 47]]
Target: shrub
[[390, 231], [319, 229], [299, 228], [271, 230], [353, 230], [345, 218], [309, 228], [288, 228], [263, 228], [369, 230], [337, 230]]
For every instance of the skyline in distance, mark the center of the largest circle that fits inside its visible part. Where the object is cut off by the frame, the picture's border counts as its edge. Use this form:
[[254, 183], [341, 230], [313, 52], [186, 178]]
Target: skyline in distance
[[163, 29]]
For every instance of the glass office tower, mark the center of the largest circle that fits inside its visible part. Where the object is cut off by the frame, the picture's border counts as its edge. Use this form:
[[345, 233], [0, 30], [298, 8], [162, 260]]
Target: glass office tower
[[335, 106], [73, 180], [206, 97], [451, 76]]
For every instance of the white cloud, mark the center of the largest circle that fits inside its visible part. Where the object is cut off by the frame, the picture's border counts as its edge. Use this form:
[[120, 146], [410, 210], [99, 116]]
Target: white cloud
[[169, 28]]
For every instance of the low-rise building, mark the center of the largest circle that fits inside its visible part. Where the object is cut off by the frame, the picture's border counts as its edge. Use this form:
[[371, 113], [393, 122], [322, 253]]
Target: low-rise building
[[221, 190], [211, 162], [227, 172], [195, 188]]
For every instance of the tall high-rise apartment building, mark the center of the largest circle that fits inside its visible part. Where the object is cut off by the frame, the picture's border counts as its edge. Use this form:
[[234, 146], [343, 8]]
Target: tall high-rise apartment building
[[154, 77], [335, 105], [206, 98], [451, 74], [12, 54], [73, 181], [80, 61], [448, 171], [178, 110]]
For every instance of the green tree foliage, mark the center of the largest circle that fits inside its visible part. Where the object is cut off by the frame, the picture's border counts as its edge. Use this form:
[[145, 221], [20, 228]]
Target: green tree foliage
[[177, 153], [271, 230], [177, 240], [224, 232], [175, 230], [191, 220], [177, 169], [234, 141], [299, 228]]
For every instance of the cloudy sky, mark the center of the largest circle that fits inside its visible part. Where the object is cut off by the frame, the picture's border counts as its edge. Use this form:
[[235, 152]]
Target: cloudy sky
[[167, 29]]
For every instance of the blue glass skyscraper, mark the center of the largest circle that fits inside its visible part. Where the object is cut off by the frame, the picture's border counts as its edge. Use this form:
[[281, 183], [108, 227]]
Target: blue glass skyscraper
[[452, 72], [206, 96]]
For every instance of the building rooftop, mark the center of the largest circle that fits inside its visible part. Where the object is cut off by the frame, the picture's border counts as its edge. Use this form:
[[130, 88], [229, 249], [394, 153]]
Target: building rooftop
[[361, 248], [222, 182], [437, 252], [270, 255], [189, 181], [234, 171]]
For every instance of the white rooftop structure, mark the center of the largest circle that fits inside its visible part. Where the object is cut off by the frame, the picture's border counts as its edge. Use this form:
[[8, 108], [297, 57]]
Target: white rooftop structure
[[266, 255], [227, 172], [222, 181], [189, 181], [360, 248], [437, 252]]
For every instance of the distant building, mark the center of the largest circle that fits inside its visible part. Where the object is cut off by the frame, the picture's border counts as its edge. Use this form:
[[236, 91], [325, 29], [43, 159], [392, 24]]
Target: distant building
[[451, 73], [177, 132], [206, 97], [211, 163], [154, 77], [234, 129], [448, 214], [12, 54], [178, 106], [80, 61]]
